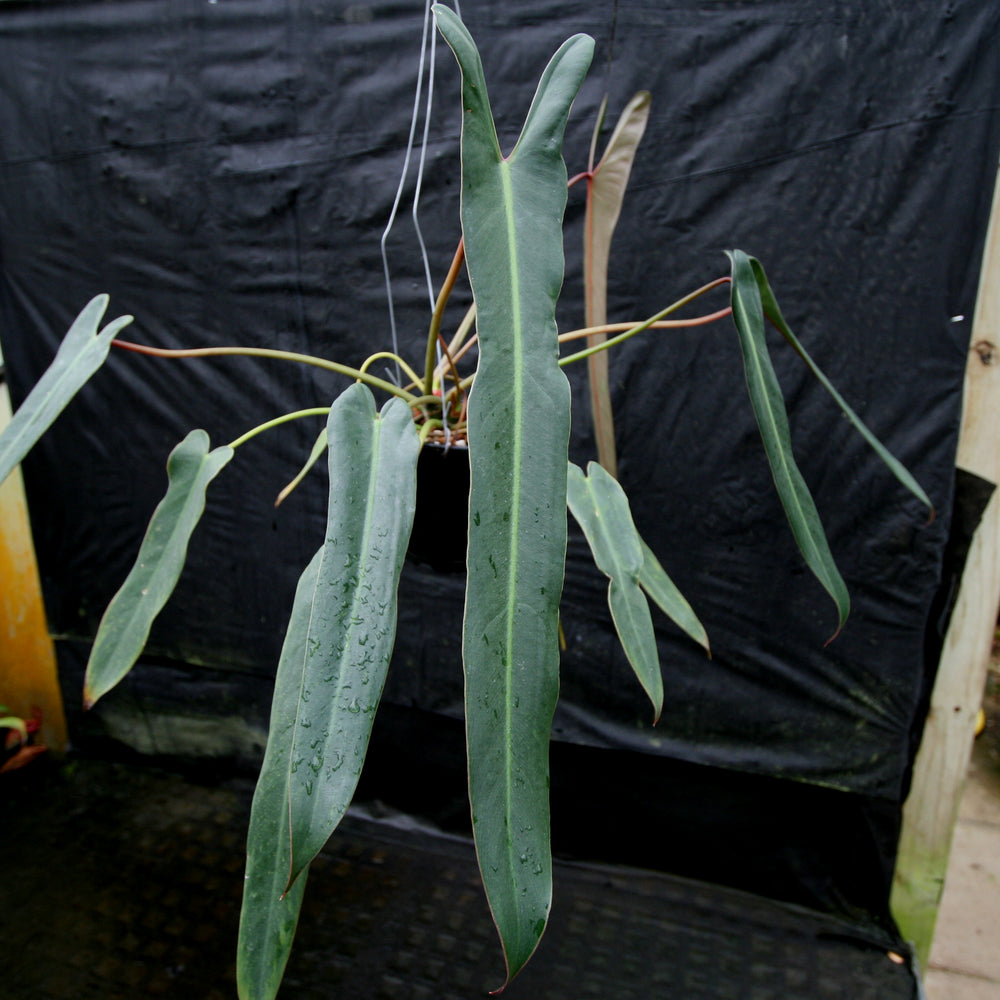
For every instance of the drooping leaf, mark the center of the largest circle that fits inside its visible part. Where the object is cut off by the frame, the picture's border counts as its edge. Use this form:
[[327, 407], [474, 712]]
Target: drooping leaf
[[518, 444], [605, 194], [331, 673], [773, 312], [601, 509], [352, 629], [81, 353], [658, 585], [270, 913], [125, 626], [769, 408]]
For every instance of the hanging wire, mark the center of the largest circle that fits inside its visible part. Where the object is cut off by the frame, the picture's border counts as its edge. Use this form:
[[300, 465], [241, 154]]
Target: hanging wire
[[439, 358], [420, 174], [447, 429], [402, 183], [426, 69]]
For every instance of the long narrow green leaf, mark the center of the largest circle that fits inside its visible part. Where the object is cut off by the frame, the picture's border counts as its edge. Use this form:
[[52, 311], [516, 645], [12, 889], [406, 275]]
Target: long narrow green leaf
[[658, 585], [518, 446], [769, 408], [773, 312], [352, 629], [601, 509], [332, 671], [606, 192], [125, 626], [270, 910], [81, 353]]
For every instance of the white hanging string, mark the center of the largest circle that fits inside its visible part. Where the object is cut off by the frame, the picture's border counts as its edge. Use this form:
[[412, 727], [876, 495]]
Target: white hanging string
[[416, 202], [402, 180], [439, 354], [420, 171]]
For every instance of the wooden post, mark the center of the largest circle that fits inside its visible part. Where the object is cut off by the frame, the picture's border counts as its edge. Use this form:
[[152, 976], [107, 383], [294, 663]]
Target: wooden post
[[931, 811], [28, 678]]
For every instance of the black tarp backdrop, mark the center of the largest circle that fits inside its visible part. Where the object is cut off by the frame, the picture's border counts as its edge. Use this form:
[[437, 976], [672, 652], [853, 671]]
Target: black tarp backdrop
[[225, 170]]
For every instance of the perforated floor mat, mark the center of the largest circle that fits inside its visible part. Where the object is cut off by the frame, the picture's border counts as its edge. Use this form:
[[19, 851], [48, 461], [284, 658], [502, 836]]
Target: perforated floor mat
[[121, 883]]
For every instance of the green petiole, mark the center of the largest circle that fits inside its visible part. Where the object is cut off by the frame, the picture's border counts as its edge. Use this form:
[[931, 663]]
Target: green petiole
[[263, 352], [646, 324], [316, 411]]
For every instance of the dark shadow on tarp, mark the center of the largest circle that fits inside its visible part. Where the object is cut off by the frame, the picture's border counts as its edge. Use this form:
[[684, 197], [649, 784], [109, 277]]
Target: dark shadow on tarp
[[224, 171]]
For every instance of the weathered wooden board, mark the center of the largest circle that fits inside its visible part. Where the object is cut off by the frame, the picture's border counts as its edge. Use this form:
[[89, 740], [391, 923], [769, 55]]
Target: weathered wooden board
[[28, 679], [931, 810]]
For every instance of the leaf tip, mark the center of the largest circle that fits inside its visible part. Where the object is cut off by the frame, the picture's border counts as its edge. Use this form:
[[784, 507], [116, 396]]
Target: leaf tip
[[656, 700], [116, 326], [840, 628]]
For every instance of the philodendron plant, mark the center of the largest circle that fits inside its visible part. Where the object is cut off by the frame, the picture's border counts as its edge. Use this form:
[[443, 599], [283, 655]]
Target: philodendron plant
[[513, 414]]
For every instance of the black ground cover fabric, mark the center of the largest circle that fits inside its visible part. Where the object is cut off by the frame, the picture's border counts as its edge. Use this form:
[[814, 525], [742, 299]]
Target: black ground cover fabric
[[126, 882], [225, 170]]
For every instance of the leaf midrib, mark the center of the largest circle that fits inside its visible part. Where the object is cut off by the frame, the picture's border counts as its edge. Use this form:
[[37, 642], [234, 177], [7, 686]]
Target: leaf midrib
[[780, 453], [159, 571], [348, 634], [512, 555]]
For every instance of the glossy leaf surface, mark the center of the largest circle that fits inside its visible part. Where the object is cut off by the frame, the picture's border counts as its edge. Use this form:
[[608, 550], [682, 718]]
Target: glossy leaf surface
[[518, 443], [81, 353], [332, 670], [270, 914], [773, 313], [352, 628], [125, 625], [769, 408], [661, 589], [601, 509]]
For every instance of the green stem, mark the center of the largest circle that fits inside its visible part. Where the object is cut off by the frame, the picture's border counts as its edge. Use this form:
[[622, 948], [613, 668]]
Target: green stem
[[646, 324], [382, 355], [436, 319], [316, 411], [458, 347], [464, 346], [418, 401], [426, 428], [262, 352]]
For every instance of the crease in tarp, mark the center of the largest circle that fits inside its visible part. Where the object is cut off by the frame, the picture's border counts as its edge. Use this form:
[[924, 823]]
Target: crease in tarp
[[171, 208]]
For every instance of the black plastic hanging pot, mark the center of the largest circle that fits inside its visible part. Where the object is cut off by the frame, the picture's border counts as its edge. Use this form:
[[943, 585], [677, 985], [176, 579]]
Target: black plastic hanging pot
[[440, 526]]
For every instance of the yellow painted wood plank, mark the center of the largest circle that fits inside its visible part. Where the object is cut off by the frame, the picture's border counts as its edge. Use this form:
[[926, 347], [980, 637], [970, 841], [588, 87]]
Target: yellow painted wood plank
[[28, 676], [931, 810]]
